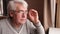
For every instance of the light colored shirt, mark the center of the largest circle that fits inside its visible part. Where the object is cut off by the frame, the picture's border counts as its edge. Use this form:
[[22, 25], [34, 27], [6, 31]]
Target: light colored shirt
[[27, 28]]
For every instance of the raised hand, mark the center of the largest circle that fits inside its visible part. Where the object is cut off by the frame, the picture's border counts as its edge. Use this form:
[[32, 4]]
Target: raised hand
[[33, 14]]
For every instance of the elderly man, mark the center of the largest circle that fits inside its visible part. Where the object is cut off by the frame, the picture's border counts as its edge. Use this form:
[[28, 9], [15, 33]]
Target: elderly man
[[17, 22]]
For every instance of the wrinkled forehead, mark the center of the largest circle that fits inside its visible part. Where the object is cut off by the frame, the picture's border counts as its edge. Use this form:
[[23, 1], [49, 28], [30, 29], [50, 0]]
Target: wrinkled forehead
[[19, 6], [13, 4]]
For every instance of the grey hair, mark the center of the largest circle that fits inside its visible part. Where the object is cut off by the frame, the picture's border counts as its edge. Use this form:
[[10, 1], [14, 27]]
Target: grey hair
[[11, 5]]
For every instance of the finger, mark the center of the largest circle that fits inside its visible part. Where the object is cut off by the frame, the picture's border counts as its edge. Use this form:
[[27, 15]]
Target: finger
[[33, 12]]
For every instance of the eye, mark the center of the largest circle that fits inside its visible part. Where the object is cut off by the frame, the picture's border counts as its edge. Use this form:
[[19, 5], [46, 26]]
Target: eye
[[20, 11]]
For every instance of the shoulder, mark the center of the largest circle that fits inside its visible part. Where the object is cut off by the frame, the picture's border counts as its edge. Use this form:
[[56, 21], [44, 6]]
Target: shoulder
[[3, 21], [30, 24]]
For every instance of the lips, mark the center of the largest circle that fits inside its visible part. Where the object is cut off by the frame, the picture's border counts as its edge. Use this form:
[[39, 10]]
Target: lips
[[23, 19]]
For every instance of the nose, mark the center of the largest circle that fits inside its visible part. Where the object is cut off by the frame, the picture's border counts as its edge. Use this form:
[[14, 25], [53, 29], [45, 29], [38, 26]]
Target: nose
[[23, 15]]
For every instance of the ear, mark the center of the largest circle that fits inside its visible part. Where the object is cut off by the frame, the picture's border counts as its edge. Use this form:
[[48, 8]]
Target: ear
[[11, 13]]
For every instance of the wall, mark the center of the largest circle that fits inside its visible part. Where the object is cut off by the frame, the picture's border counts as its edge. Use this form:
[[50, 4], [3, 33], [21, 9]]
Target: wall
[[38, 5]]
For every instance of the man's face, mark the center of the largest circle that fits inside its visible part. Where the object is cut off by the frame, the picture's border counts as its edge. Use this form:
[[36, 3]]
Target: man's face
[[20, 14]]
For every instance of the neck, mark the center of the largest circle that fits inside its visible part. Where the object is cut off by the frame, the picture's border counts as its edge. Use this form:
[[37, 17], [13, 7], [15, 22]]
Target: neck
[[15, 24]]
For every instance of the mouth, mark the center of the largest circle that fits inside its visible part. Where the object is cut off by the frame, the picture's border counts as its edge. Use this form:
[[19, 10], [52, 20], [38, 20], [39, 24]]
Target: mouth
[[23, 19]]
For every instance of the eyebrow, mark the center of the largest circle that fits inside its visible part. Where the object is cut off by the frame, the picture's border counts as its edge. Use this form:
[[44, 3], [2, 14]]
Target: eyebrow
[[22, 10], [19, 10]]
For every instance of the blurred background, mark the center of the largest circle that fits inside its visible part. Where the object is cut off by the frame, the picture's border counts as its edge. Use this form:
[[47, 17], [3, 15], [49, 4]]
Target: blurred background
[[48, 10]]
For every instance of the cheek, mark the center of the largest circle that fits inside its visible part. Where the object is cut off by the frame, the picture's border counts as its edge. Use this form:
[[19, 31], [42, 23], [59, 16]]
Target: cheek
[[18, 16]]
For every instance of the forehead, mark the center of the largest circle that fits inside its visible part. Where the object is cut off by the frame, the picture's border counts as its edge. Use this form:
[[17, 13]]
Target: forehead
[[20, 6]]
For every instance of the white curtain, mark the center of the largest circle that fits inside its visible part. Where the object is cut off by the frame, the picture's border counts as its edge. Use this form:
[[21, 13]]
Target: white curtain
[[1, 7], [49, 13], [53, 6]]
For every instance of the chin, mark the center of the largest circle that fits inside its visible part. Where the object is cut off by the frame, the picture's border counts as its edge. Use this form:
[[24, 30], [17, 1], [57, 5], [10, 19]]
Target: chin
[[22, 22]]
